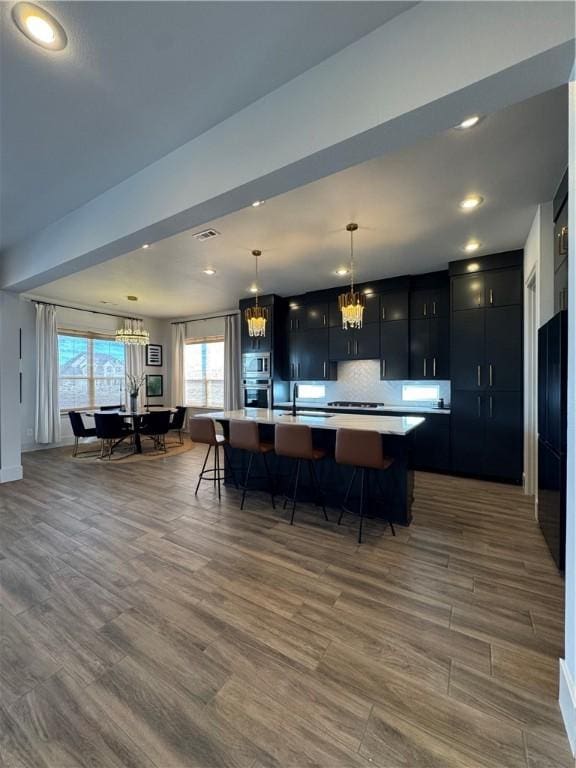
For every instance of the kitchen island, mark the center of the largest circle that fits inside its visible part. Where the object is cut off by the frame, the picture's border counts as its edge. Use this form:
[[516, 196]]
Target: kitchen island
[[392, 494]]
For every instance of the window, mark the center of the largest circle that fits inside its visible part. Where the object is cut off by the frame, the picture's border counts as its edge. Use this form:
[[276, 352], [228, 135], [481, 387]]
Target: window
[[414, 393], [204, 373], [91, 371]]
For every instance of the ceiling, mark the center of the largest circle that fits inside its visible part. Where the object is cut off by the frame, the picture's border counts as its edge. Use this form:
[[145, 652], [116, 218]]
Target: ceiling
[[139, 79], [405, 203]]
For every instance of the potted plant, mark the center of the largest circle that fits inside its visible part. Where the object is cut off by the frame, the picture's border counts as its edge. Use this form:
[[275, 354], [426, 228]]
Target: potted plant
[[134, 381]]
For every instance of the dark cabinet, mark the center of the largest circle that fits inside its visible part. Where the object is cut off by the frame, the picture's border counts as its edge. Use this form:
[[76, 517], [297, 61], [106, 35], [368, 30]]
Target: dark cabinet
[[308, 356], [429, 302], [359, 344], [317, 316], [431, 444], [497, 288], [504, 424], [552, 501], [487, 370], [486, 349], [394, 306], [560, 213], [296, 318], [394, 350], [430, 348]]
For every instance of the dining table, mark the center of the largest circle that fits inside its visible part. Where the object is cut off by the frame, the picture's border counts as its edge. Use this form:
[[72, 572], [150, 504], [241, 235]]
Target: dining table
[[135, 417]]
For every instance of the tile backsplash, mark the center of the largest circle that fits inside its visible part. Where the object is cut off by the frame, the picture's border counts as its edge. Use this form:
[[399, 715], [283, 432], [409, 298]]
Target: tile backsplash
[[359, 380]]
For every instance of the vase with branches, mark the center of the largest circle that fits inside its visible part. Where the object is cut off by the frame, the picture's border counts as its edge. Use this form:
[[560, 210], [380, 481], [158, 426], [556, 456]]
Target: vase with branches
[[134, 382]]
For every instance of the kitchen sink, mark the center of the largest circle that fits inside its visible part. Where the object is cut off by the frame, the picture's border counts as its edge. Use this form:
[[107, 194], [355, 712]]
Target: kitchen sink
[[308, 414]]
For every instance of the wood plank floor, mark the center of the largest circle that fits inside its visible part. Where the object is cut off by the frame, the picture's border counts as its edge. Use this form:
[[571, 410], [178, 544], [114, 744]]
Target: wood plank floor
[[144, 627]]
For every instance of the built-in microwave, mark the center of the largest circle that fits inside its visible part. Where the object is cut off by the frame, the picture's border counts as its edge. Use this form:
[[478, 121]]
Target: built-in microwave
[[257, 393], [256, 365]]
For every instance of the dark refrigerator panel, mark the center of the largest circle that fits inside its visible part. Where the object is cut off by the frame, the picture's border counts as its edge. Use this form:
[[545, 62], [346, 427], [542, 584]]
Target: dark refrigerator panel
[[552, 501]]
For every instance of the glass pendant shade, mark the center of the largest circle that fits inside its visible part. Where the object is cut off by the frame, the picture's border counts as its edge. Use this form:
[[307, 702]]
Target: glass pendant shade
[[129, 336], [352, 303], [256, 316]]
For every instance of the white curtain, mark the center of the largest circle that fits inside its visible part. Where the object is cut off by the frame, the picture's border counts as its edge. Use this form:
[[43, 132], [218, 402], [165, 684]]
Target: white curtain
[[47, 417], [177, 384], [134, 361], [232, 369]]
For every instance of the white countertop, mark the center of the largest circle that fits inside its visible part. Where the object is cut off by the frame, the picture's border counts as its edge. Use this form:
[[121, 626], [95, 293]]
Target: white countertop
[[386, 425], [380, 409]]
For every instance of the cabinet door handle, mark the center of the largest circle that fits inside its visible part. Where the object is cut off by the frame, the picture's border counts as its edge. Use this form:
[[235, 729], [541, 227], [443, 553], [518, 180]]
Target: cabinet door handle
[[490, 405], [356, 346], [424, 367], [479, 407], [478, 375], [491, 296], [383, 313], [298, 370], [490, 374], [425, 309], [382, 368], [433, 307], [434, 367], [324, 368], [324, 318], [348, 347], [563, 241]]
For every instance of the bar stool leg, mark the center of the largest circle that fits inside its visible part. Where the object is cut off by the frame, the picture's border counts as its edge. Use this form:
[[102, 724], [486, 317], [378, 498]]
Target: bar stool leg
[[362, 480], [270, 482], [215, 462], [202, 470], [295, 491], [350, 484], [217, 473], [246, 481], [314, 478]]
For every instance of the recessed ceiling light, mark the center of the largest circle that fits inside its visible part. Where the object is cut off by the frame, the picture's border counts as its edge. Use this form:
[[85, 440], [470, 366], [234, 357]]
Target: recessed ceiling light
[[472, 246], [253, 289], [469, 122], [258, 203], [471, 202], [39, 26], [209, 271], [132, 298], [146, 245], [342, 271], [473, 266]]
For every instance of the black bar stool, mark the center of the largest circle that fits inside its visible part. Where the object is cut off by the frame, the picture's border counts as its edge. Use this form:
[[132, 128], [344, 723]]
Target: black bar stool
[[361, 449], [245, 436], [203, 431], [295, 442]]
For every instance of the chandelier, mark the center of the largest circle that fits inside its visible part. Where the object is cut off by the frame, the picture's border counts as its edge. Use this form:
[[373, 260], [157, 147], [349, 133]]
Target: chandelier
[[352, 303], [133, 336], [256, 316]]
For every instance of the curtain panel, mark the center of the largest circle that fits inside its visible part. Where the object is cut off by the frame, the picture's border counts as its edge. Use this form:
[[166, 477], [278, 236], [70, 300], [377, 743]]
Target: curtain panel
[[232, 363], [177, 381], [47, 409], [134, 361]]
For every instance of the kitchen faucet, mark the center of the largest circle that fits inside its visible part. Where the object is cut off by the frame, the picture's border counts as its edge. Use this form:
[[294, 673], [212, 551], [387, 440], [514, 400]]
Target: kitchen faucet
[[294, 396]]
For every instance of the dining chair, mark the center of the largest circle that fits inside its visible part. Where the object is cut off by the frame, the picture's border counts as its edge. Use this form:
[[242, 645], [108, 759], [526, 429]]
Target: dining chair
[[177, 421], [80, 431], [111, 407], [155, 425], [112, 430]]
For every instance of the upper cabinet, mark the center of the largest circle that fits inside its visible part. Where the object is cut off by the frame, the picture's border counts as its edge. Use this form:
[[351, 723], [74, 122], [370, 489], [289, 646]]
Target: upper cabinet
[[499, 288], [430, 302], [394, 305]]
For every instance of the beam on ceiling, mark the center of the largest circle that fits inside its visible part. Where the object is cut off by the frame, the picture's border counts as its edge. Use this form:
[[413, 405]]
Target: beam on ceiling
[[409, 79]]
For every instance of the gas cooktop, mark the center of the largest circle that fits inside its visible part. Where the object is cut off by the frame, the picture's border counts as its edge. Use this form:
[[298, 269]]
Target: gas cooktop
[[351, 404]]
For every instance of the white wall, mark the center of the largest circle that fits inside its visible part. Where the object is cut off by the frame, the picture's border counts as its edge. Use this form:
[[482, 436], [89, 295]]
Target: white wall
[[10, 464], [568, 664], [79, 321]]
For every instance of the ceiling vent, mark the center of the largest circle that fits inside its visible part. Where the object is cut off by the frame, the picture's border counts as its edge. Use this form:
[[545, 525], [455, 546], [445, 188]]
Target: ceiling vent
[[206, 234]]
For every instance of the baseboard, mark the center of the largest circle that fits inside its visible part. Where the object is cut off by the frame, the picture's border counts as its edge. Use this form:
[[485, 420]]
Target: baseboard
[[10, 474], [27, 447], [567, 700]]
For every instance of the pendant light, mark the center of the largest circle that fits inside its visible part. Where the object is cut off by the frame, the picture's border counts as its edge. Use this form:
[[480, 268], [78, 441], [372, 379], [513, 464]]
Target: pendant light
[[132, 336], [352, 303], [256, 316]]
